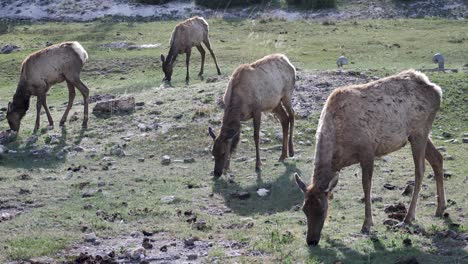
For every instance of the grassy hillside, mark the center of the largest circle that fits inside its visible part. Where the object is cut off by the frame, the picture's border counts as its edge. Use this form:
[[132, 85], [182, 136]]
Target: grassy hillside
[[133, 193]]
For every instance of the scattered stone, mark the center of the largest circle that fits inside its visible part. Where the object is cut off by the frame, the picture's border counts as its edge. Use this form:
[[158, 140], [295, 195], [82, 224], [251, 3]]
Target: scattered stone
[[117, 150], [262, 192], [143, 127], [42, 260], [190, 242], [120, 105], [135, 234], [24, 177], [168, 199], [9, 48], [163, 248], [141, 159], [465, 140], [192, 257], [447, 174], [166, 160], [189, 160], [448, 157], [138, 253], [146, 243], [389, 186], [390, 222], [395, 208], [200, 225], [408, 190], [24, 191], [90, 193], [243, 195], [446, 134], [90, 238]]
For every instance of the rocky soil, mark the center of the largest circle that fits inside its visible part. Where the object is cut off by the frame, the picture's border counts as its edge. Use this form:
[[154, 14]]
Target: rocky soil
[[86, 10]]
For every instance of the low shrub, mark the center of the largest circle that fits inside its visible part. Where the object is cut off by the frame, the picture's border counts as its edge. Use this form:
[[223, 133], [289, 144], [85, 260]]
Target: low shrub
[[313, 4], [228, 3]]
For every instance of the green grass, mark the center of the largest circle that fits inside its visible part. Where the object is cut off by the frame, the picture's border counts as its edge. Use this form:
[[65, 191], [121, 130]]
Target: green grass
[[55, 211]]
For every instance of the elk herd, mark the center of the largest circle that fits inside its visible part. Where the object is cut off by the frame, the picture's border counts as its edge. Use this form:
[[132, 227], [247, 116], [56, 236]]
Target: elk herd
[[357, 123]]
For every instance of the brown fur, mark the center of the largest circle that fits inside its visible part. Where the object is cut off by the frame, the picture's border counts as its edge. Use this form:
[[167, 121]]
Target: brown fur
[[361, 122], [41, 70], [187, 34], [265, 85]]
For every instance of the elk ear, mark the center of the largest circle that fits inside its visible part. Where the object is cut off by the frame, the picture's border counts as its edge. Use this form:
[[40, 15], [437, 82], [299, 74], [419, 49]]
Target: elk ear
[[162, 58], [212, 133], [332, 184], [300, 183]]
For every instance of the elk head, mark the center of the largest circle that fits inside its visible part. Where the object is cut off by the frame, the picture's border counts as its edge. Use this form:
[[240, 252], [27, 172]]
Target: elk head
[[222, 148], [167, 67], [315, 207], [14, 118]]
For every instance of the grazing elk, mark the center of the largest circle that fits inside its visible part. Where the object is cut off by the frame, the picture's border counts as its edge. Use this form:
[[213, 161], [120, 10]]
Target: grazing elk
[[41, 70], [265, 85], [190, 33], [361, 122]]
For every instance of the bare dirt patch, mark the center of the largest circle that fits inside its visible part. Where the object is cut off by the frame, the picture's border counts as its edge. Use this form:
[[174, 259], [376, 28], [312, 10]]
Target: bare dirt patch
[[313, 88]]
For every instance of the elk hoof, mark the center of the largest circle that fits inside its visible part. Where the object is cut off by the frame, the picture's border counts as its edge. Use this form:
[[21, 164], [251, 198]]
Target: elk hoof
[[439, 212], [62, 123], [50, 127], [258, 169], [291, 153], [281, 159], [365, 230]]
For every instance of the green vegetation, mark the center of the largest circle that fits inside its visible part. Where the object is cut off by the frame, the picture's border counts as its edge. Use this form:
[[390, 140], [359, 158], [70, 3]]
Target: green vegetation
[[313, 4], [55, 215]]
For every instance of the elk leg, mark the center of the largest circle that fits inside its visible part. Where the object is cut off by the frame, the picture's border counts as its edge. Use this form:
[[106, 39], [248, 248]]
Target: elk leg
[[434, 158], [418, 147], [38, 113], [367, 167], [283, 117], [208, 45], [287, 105], [256, 123], [85, 92], [46, 108], [187, 63], [71, 98], [202, 53]]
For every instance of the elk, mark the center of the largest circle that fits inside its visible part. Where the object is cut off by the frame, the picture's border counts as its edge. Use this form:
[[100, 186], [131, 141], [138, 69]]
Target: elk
[[41, 70], [265, 85], [361, 122], [190, 33]]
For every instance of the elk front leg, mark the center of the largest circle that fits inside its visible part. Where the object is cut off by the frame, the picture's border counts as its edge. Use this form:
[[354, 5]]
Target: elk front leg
[[367, 167], [38, 113], [187, 63], [418, 147], [256, 123]]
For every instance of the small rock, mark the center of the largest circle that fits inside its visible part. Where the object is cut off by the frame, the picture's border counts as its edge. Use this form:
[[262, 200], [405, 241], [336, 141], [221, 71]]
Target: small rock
[[138, 253], [200, 225], [24, 177], [141, 159], [192, 257], [465, 140], [390, 222], [243, 195], [446, 134], [389, 186], [166, 160], [262, 192], [146, 243], [90, 193], [143, 127], [42, 260], [90, 238], [189, 160], [135, 234], [448, 157], [122, 105], [163, 248], [395, 208], [190, 242], [168, 199], [9, 48]]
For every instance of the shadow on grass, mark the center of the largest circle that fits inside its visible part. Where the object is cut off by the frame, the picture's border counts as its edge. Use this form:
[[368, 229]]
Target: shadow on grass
[[28, 157], [338, 251], [283, 195]]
